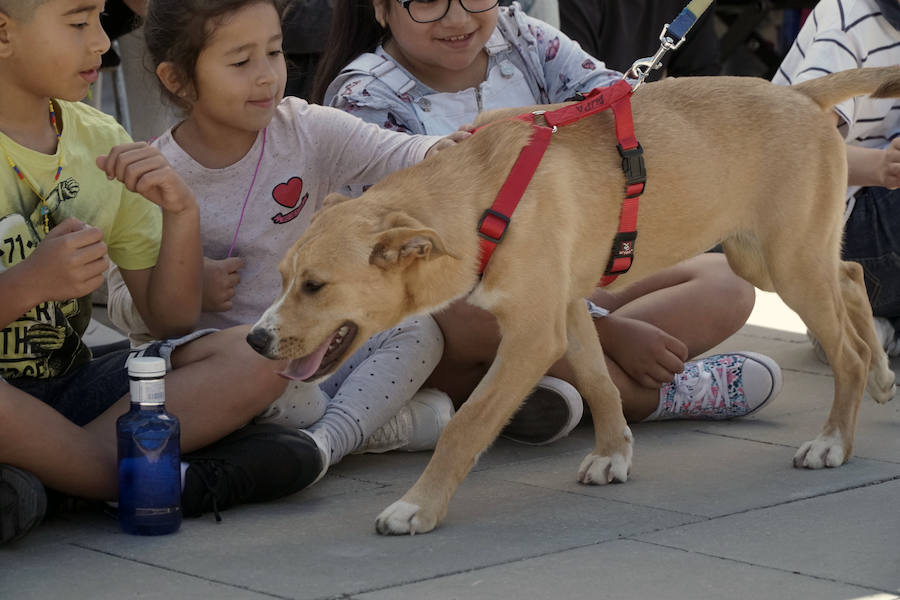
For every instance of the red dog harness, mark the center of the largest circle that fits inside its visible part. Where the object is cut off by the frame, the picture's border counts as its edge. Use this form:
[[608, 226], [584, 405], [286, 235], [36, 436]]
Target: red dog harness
[[495, 220]]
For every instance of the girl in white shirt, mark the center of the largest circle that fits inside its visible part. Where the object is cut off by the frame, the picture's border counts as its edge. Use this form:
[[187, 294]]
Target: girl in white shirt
[[260, 166]]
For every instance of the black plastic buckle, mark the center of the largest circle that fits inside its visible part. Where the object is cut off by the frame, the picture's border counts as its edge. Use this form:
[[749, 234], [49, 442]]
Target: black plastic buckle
[[622, 247], [500, 216], [633, 164]]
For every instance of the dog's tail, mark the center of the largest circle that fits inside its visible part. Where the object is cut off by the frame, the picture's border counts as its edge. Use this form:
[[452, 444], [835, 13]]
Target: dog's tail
[[879, 82]]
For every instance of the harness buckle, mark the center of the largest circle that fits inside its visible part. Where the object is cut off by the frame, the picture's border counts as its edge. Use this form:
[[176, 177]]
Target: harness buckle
[[633, 165], [492, 213]]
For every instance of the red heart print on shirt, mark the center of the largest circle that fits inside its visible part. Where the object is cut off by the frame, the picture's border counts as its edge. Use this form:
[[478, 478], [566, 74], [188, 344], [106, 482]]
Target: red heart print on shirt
[[288, 195]]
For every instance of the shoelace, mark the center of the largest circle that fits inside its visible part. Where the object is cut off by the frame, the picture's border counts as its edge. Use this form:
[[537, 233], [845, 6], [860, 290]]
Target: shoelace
[[394, 431], [223, 482], [696, 393]]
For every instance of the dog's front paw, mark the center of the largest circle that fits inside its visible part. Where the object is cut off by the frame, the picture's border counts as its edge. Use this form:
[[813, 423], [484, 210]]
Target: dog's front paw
[[824, 451], [600, 470], [403, 517]]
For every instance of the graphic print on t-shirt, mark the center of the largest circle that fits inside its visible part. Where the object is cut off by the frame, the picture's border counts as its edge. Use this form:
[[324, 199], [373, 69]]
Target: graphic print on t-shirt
[[288, 195], [45, 341]]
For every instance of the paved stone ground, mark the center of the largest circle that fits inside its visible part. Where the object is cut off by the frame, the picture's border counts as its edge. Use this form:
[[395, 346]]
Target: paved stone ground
[[713, 510]]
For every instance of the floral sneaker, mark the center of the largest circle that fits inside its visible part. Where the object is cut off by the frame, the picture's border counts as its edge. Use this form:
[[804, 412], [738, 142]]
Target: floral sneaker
[[722, 386]]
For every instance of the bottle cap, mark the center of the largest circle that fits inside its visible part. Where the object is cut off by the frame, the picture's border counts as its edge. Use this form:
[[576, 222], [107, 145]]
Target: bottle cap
[[146, 366]]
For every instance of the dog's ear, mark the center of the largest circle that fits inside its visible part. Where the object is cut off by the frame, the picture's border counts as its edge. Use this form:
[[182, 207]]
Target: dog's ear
[[402, 245]]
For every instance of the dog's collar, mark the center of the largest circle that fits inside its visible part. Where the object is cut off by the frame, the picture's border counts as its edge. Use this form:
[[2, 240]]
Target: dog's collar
[[495, 220]]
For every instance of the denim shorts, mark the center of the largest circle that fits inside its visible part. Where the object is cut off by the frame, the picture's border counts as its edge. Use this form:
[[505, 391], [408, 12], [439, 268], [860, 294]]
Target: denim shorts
[[872, 239], [84, 394]]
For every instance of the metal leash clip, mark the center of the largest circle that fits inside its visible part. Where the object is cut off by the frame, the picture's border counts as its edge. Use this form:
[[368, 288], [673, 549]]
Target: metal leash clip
[[538, 113], [642, 67]]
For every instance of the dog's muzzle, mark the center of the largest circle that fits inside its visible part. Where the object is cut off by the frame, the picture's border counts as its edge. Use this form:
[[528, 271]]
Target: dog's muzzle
[[260, 340]]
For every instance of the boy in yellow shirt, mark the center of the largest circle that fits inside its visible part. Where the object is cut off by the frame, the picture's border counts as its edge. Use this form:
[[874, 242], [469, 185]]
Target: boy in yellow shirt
[[76, 192]]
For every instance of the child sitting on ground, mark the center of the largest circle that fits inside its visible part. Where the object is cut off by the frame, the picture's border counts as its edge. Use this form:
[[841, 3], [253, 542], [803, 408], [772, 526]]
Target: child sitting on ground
[[61, 216], [261, 165], [431, 66]]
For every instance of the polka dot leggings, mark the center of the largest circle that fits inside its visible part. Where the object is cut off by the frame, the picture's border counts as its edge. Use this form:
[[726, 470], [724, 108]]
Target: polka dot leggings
[[367, 390]]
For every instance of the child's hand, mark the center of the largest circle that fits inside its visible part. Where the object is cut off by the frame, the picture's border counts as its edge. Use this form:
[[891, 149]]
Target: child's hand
[[448, 142], [645, 352], [890, 169], [144, 170], [69, 262], [220, 278]]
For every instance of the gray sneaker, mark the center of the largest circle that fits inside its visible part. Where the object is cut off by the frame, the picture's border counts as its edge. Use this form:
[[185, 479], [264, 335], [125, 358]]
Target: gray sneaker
[[23, 503], [549, 413]]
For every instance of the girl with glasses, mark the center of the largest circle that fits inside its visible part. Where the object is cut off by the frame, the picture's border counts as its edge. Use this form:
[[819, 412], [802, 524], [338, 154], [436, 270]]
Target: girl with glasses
[[431, 66]]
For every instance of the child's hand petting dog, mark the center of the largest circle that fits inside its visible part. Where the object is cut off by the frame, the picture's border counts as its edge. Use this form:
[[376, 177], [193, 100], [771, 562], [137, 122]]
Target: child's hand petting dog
[[220, 278], [144, 170], [648, 355], [450, 140]]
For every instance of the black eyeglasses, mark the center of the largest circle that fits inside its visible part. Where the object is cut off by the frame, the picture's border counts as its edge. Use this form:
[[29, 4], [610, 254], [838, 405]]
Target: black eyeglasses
[[429, 11]]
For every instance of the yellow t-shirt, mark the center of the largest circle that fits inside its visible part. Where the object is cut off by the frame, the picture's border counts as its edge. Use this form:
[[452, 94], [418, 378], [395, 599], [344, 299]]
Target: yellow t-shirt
[[46, 341]]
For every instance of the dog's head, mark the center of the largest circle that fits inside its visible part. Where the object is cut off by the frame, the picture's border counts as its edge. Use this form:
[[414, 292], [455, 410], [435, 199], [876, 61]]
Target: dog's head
[[344, 280]]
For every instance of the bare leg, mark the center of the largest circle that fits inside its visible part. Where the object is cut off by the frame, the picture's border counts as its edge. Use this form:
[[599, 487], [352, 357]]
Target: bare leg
[[63, 456], [700, 302], [218, 385]]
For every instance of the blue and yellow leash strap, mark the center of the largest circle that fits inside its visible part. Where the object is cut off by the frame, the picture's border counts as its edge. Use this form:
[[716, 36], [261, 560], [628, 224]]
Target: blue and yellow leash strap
[[672, 36]]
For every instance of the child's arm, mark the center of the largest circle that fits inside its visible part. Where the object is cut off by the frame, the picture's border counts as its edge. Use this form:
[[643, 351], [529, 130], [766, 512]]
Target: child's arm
[[878, 167], [874, 166], [68, 263], [168, 295]]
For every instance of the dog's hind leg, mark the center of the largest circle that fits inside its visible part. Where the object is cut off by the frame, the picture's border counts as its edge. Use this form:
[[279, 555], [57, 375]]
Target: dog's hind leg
[[611, 459], [830, 299], [532, 340], [881, 378]]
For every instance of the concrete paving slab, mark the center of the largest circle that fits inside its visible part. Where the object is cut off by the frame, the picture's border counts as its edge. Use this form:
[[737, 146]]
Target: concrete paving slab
[[66, 570], [851, 536], [680, 470], [315, 548], [712, 510], [626, 569], [800, 412]]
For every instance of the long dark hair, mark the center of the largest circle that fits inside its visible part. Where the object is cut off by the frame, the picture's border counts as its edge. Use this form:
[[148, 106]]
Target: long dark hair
[[353, 31], [176, 31]]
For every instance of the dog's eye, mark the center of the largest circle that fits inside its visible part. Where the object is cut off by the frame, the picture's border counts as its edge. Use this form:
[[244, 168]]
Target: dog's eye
[[311, 287]]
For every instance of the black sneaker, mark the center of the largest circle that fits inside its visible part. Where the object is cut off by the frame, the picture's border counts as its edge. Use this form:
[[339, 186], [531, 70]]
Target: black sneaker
[[256, 463], [549, 413], [23, 503]]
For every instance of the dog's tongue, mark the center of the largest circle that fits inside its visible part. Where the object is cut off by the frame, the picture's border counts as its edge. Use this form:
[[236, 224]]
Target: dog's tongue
[[301, 369]]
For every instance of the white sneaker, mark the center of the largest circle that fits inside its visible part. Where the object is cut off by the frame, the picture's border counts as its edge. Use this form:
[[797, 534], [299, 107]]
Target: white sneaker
[[717, 387], [884, 331], [549, 413], [416, 427]]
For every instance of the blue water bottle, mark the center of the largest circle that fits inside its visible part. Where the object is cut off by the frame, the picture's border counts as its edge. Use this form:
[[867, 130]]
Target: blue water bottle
[[149, 454]]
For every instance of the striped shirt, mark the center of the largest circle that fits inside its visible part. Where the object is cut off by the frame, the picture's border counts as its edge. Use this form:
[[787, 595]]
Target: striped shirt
[[841, 35]]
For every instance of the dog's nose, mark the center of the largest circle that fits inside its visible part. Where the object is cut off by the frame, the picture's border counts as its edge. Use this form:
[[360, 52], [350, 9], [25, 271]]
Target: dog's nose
[[259, 339]]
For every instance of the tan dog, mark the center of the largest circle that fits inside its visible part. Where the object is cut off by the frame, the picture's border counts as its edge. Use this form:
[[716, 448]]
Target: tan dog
[[758, 167]]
